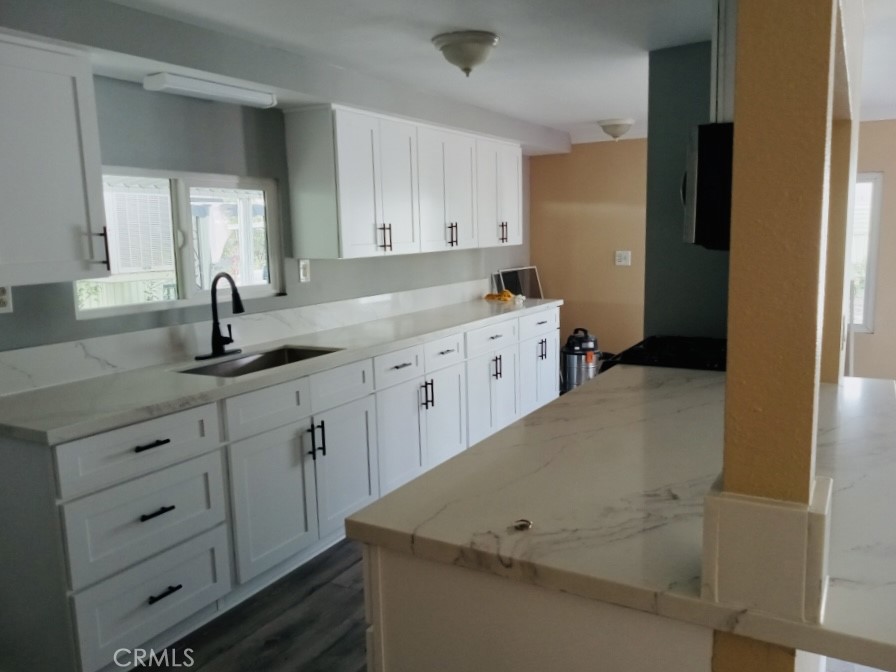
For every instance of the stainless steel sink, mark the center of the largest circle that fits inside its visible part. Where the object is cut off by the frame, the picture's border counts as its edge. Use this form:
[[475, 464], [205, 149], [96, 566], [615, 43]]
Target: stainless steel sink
[[259, 361]]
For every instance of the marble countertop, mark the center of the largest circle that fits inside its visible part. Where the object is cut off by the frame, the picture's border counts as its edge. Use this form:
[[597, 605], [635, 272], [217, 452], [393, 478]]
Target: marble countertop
[[613, 477], [53, 415]]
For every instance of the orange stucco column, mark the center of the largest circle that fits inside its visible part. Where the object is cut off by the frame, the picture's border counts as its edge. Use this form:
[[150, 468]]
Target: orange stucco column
[[784, 84]]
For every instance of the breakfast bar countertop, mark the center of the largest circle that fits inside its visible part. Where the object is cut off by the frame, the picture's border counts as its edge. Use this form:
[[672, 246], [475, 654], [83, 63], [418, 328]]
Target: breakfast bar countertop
[[613, 475]]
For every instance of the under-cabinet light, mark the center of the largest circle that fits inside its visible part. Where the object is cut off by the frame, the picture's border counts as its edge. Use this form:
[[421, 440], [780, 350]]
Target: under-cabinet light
[[201, 88]]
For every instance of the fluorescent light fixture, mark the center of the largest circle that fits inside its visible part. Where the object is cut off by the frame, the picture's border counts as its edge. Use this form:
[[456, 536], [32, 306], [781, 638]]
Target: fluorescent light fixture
[[201, 88]]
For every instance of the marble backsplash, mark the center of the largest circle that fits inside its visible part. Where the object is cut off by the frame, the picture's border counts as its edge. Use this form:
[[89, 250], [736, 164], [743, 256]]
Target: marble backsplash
[[42, 366]]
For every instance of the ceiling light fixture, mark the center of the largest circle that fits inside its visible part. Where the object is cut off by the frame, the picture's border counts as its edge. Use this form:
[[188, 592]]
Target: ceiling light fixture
[[201, 88], [465, 48], [615, 128]]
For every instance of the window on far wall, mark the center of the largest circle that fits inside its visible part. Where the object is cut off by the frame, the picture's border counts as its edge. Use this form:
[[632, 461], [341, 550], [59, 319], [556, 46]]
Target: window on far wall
[[170, 233], [862, 249]]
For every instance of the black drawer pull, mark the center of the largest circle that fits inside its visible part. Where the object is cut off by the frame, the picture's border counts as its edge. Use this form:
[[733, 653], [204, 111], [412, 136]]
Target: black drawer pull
[[150, 446], [445, 352], [495, 337], [542, 322], [161, 596], [156, 514], [403, 365]]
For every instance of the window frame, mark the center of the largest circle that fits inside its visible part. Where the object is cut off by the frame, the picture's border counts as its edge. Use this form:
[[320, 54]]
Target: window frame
[[866, 326], [181, 221]]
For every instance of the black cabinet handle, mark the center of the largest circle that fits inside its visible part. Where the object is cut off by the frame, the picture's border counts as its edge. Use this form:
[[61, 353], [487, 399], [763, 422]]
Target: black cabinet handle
[[313, 451], [497, 373], [425, 388], [456, 237], [540, 322], [429, 394], [387, 236], [161, 596], [500, 366], [107, 262], [432, 392], [162, 511], [445, 352], [495, 337], [403, 365], [150, 446], [323, 439]]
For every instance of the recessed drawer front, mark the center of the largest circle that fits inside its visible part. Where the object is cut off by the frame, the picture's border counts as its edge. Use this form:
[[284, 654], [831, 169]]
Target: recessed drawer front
[[444, 352], [539, 323], [125, 524], [340, 385], [272, 407], [90, 463], [397, 367], [486, 339], [138, 604]]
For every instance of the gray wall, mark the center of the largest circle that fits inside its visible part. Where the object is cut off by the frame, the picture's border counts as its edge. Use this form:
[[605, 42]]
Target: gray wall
[[685, 286], [141, 129]]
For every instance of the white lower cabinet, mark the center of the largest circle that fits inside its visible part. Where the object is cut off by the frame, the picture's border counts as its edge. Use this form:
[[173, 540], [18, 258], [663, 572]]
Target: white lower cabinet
[[492, 392], [444, 419], [345, 447], [539, 371], [274, 498], [398, 422]]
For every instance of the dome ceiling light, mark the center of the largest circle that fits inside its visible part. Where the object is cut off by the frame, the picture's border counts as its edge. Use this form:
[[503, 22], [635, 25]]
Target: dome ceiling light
[[615, 128], [465, 48]]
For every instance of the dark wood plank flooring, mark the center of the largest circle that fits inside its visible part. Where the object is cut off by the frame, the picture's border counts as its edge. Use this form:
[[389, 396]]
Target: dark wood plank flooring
[[311, 620]]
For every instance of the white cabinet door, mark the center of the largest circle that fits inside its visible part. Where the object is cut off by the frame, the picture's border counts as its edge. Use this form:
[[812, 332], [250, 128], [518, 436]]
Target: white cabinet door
[[499, 193], [274, 500], [447, 210], [397, 174], [356, 158], [539, 371], [51, 189], [492, 392], [445, 415], [398, 434], [346, 462], [510, 181], [505, 401]]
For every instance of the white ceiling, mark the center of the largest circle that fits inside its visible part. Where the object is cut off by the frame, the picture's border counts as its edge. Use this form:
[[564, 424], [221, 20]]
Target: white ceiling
[[559, 63]]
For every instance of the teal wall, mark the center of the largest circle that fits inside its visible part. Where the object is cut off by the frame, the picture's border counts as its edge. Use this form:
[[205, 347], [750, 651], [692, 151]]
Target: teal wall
[[685, 286], [142, 129]]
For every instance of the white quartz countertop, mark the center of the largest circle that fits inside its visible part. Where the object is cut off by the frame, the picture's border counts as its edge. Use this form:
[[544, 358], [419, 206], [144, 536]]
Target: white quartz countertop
[[613, 476], [71, 411]]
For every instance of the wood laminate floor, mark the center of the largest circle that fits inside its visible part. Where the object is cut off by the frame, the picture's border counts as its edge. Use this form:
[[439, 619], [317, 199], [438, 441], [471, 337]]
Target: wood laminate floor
[[311, 620]]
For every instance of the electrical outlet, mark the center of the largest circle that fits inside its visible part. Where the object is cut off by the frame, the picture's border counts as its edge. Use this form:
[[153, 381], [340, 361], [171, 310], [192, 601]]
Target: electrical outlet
[[304, 270], [5, 299], [623, 257]]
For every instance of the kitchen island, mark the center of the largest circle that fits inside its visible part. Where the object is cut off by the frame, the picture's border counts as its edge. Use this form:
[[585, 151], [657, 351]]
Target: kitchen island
[[612, 477]]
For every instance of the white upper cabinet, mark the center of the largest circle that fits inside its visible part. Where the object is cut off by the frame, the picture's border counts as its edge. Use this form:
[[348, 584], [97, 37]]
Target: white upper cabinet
[[446, 172], [365, 185], [352, 184], [52, 179], [499, 181]]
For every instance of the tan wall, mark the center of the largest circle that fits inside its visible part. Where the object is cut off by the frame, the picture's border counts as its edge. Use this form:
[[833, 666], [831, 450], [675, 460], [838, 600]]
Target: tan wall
[[584, 206], [875, 354]]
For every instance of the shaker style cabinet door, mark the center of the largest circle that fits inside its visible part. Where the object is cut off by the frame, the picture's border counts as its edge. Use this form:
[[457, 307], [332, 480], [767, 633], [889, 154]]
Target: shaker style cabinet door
[[51, 189], [499, 193], [356, 158], [539, 371], [274, 499], [446, 168], [397, 176], [460, 168], [491, 392], [510, 180], [398, 434], [346, 462], [445, 416]]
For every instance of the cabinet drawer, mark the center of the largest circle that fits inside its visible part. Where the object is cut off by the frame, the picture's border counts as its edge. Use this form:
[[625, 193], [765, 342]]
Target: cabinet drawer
[[125, 524], [103, 459], [272, 407], [486, 339], [397, 367], [444, 352], [539, 323], [340, 385], [136, 605]]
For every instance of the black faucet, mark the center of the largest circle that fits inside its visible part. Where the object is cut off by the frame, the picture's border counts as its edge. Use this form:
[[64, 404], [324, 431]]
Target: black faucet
[[219, 340]]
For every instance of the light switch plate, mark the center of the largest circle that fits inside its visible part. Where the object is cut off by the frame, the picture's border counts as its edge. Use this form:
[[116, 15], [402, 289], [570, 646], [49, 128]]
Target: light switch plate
[[623, 257], [304, 270], [5, 299]]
